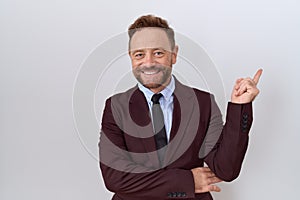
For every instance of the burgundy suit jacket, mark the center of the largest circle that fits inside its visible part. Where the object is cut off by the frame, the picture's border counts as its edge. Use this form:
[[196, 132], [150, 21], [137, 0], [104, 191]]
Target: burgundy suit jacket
[[128, 157]]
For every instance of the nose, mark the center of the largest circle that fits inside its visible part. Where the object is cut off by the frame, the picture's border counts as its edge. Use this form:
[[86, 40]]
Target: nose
[[149, 59]]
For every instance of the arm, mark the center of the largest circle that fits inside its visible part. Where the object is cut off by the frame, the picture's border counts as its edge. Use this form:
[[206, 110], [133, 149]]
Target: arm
[[227, 156]]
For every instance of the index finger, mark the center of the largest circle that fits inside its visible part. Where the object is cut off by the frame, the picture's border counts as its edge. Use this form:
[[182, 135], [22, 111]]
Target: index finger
[[205, 169], [257, 76]]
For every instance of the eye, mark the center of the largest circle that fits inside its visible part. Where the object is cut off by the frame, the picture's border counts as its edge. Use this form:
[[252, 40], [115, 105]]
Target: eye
[[159, 53], [138, 55]]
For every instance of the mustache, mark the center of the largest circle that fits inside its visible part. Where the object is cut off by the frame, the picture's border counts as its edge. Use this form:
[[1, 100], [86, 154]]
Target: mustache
[[144, 68]]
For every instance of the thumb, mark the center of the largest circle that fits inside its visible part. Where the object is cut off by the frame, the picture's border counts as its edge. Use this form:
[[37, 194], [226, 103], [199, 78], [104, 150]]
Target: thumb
[[208, 188]]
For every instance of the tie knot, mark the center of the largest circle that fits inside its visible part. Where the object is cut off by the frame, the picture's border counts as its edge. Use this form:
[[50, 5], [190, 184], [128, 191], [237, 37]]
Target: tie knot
[[155, 98]]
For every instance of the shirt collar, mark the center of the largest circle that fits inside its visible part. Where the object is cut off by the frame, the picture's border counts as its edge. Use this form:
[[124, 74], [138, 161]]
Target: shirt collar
[[167, 92]]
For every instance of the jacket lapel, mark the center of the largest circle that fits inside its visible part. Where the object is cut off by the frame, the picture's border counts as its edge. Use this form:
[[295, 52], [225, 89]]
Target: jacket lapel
[[139, 112], [184, 123]]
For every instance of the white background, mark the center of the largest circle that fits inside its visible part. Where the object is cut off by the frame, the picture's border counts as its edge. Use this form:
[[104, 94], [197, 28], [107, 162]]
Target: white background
[[44, 43]]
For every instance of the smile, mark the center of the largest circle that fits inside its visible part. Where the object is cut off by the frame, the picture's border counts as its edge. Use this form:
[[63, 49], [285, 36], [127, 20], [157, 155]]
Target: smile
[[151, 72]]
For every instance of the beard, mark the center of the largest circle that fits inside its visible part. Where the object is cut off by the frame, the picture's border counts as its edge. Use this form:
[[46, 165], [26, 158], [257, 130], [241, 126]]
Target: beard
[[154, 76]]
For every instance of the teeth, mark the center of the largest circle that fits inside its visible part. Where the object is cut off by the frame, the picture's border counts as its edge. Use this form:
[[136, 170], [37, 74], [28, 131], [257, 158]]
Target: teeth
[[150, 72]]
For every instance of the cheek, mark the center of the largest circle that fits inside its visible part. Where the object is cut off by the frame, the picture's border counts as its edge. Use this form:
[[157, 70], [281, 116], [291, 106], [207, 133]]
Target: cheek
[[167, 61], [135, 63]]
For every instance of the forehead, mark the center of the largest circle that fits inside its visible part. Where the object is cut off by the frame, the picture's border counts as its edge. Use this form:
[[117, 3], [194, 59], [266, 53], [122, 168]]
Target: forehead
[[150, 38]]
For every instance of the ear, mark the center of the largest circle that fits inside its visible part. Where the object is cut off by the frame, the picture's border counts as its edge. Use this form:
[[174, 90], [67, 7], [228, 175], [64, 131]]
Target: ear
[[174, 54]]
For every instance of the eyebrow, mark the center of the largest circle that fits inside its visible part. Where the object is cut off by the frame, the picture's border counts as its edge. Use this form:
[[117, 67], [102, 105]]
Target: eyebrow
[[138, 50], [142, 50]]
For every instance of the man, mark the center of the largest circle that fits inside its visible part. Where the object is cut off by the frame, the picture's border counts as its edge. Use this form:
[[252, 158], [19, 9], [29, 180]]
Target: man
[[156, 136]]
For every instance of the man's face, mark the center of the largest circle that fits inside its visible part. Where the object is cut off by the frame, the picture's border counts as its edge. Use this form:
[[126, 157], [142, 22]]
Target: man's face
[[152, 57]]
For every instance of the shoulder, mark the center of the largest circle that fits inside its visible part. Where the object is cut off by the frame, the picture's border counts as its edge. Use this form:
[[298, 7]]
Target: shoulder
[[187, 89], [123, 96], [201, 93], [203, 98], [118, 102]]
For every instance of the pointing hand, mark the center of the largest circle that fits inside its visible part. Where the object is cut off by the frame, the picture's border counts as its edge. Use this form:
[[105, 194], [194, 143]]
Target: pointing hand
[[245, 89]]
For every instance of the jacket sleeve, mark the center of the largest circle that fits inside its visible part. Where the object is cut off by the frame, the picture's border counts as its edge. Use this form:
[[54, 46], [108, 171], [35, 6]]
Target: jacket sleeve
[[226, 157], [127, 178]]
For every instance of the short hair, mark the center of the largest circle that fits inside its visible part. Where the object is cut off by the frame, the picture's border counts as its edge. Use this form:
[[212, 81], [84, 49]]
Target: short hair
[[152, 21]]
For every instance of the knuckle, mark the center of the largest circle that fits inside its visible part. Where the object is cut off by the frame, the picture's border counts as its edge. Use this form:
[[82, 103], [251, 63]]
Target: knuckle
[[211, 188]]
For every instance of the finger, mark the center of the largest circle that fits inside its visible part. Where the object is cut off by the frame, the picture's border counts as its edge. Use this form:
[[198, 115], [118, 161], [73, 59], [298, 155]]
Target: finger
[[214, 180], [208, 188], [238, 83], [242, 81], [213, 188], [239, 80], [245, 85], [204, 169], [241, 90], [210, 174], [257, 76]]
